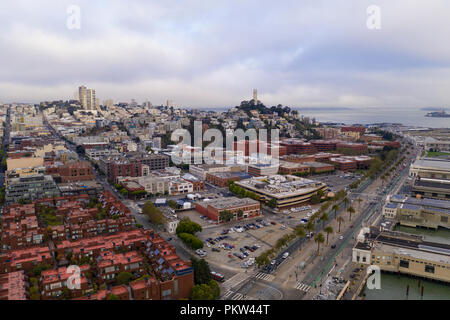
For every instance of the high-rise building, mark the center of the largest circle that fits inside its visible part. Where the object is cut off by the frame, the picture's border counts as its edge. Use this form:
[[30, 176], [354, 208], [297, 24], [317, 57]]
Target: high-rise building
[[255, 96], [82, 96], [88, 99], [109, 103]]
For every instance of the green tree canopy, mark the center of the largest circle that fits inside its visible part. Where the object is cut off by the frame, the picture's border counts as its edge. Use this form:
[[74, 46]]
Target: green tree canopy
[[124, 278], [188, 226]]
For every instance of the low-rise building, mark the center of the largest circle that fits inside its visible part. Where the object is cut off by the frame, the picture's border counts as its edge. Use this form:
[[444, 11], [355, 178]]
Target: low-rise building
[[222, 179], [287, 191], [14, 286], [31, 188], [262, 169], [240, 208], [418, 212]]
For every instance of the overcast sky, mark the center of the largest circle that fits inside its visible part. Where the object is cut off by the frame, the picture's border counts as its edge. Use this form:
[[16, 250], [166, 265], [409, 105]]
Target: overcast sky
[[212, 53]]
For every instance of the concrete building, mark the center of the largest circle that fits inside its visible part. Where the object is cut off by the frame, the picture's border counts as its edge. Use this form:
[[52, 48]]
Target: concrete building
[[240, 208], [262, 169], [88, 99], [200, 170], [437, 145], [414, 212], [222, 179], [31, 188], [430, 168], [431, 178], [399, 252], [288, 191]]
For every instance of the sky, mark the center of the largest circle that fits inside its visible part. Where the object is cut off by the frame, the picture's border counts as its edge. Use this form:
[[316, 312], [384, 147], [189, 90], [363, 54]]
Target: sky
[[203, 53]]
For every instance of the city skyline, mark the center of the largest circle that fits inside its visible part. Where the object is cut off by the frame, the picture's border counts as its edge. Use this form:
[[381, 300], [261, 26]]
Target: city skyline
[[312, 55]]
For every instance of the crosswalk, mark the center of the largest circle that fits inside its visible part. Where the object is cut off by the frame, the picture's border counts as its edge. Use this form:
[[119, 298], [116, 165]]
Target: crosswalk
[[303, 287], [238, 296], [264, 276], [227, 294], [236, 280]]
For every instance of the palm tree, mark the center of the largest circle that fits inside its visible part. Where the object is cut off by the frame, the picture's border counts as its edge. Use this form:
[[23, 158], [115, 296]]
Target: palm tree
[[324, 218], [310, 226], [328, 230], [300, 233], [319, 239], [335, 208], [340, 220], [346, 202], [359, 202], [350, 211]]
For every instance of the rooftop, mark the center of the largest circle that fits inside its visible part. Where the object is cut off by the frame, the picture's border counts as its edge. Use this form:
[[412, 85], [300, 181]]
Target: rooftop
[[413, 253], [229, 202]]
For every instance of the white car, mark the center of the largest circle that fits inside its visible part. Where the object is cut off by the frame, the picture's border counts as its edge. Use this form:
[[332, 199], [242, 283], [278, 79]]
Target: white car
[[285, 255], [341, 237]]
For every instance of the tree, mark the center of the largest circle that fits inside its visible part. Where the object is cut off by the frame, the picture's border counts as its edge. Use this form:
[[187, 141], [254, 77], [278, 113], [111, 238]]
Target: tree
[[335, 208], [340, 220], [173, 204], [191, 240], [188, 226], [202, 292], [262, 259], [112, 296], [319, 239], [328, 230], [272, 203], [215, 288], [359, 202], [226, 216], [240, 213], [324, 218], [350, 211], [346, 201], [300, 232], [124, 278], [154, 214], [202, 272], [310, 226]]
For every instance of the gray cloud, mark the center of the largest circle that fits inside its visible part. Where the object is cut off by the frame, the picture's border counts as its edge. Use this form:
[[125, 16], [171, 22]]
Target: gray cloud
[[212, 53]]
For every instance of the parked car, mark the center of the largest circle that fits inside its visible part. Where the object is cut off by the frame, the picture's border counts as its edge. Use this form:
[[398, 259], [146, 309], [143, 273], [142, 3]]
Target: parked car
[[215, 249], [333, 246]]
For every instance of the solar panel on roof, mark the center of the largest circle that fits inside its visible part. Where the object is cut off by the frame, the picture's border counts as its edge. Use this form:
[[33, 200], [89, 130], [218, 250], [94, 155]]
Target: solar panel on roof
[[161, 260], [170, 270], [156, 251]]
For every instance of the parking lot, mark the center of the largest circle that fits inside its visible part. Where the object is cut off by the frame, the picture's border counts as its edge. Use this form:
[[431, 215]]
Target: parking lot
[[338, 180], [296, 216], [237, 244], [195, 217]]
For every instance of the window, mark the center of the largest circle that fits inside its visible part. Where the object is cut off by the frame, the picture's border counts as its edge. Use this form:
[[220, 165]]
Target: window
[[404, 264], [429, 269]]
